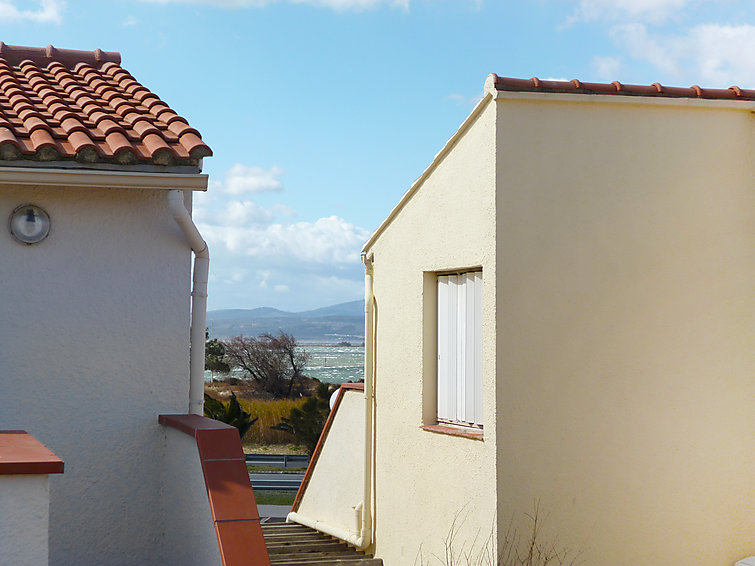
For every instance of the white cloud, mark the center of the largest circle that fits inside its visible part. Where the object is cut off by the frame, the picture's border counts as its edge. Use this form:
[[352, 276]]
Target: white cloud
[[263, 277], [261, 257], [340, 285], [651, 11], [338, 5], [129, 22], [709, 54], [49, 11], [724, 54], [242, 179], [330, 240], [636, 41], [244, 212], [607, 68]]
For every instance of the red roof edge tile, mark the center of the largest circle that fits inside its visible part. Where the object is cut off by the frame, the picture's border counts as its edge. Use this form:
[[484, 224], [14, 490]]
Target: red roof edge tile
[[616, 88], [15, 54], [229, 491], [22, 454]]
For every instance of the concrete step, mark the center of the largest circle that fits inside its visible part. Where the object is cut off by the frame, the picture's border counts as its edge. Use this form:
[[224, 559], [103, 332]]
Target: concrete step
[[290, 544]]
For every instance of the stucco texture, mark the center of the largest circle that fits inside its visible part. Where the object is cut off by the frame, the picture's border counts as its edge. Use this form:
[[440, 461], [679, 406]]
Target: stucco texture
[[626, 261], [24, 507], [95, 346], [425, 481], [336, 487], [616, 237]]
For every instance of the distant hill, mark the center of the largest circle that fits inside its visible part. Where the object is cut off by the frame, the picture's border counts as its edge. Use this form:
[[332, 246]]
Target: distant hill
[[343, 322]]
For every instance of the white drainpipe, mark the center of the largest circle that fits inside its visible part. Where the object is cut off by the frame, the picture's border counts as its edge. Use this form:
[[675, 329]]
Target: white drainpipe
[[198, 299], [366, 527]]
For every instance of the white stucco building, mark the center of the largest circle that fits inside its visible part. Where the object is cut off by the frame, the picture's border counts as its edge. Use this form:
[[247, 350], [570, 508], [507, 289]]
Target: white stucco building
[[96, 178], [560, 317]]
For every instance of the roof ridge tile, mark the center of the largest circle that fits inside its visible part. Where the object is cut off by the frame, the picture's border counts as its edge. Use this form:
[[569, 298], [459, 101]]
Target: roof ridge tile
[[616, 88]]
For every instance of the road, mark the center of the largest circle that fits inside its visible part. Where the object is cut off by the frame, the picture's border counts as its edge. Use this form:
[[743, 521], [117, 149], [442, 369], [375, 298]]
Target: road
[[276, 481]]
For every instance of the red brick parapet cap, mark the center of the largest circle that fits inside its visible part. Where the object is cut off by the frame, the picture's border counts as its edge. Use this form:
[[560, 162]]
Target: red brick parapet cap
[[232, 504], [22, 454]]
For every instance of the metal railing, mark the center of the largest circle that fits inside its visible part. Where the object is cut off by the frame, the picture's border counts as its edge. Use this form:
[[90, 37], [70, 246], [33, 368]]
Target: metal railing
[[282, 460]]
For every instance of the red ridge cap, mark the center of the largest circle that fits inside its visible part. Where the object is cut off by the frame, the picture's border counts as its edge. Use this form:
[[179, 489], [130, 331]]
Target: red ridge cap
[[229, 490], [574, 86], [15, 54]]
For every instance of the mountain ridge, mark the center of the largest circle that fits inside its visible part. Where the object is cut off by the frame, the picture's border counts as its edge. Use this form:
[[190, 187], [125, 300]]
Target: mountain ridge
[[342, 322]]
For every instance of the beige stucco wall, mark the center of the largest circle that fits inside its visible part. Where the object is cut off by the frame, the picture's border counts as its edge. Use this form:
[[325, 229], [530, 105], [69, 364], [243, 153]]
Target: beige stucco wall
[[95, 345], [424, 480], [336, 486], [626, 350]]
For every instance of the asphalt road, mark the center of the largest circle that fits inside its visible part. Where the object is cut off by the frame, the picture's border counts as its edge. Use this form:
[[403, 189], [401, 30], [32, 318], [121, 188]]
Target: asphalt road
[[276, 481]]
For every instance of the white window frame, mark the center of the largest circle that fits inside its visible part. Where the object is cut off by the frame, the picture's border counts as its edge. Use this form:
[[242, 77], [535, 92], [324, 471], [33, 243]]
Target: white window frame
[[459, 335]]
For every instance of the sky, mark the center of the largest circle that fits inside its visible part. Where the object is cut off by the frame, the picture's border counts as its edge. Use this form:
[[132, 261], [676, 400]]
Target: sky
[[321, 113]]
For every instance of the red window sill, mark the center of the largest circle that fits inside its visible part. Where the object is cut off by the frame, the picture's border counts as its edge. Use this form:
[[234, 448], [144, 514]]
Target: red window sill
[[473, 433]]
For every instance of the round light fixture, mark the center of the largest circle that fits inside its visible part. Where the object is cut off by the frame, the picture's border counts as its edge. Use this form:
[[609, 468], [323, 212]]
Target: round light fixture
[[29, 224]]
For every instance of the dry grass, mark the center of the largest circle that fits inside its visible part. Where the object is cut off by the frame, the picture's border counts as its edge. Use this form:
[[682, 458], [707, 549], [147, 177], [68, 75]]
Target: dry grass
[[270, 412], [532, 550]]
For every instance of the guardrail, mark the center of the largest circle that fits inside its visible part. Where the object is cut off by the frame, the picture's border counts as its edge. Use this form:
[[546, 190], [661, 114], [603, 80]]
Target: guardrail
[[282, 460]]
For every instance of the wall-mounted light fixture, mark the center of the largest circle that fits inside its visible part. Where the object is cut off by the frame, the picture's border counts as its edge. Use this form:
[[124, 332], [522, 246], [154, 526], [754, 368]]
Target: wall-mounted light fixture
[[29, 224]]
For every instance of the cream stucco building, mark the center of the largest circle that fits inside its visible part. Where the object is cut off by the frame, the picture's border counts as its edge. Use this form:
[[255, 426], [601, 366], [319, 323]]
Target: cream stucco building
[[614, 229], [601, 369]]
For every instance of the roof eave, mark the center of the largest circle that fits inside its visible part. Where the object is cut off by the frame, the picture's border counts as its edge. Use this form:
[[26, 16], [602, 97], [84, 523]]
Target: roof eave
[[71, 178]]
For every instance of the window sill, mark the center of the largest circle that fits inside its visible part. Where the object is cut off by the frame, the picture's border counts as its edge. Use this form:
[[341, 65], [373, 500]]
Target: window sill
[[473, 433]]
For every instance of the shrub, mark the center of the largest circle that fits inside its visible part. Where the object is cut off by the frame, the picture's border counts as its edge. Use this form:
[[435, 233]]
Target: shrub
[[230, 413], [269, 412], [305, 423]]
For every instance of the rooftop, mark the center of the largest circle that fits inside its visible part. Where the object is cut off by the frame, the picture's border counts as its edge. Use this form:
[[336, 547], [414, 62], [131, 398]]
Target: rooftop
[[62, 107], [656, 89]]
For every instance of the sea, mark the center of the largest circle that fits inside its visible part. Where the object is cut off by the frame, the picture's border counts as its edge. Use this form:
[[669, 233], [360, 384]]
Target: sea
[[330, 364]]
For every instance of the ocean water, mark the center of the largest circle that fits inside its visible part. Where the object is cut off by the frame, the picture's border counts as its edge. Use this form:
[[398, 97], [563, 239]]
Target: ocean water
[[330, 364], [335, 364]]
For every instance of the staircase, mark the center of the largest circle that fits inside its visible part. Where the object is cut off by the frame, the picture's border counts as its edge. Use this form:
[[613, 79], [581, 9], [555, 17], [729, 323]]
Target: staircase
[[289, 544]]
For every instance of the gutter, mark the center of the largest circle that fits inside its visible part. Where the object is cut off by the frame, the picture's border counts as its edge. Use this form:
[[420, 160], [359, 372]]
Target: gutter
[[198, 299]]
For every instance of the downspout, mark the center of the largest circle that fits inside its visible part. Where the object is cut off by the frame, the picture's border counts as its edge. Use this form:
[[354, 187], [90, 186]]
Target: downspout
[[365, 534], [198, 299]]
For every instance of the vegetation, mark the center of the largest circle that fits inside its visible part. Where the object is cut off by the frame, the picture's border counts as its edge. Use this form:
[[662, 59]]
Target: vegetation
[[305, 423], [265, 497], [515, 551], [274, 362], [274, 368], [230, 413], [214, 356], [269, 412]]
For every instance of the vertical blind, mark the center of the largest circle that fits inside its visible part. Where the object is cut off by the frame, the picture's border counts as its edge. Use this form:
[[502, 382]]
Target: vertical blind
[[460, 347]]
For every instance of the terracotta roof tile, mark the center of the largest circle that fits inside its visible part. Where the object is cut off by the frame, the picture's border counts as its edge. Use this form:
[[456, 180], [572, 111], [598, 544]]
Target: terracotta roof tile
[[67, 105], [575, 86]]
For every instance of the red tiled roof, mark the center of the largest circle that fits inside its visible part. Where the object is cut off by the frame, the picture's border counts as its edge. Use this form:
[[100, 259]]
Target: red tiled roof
[[66, 105], [575, 86]]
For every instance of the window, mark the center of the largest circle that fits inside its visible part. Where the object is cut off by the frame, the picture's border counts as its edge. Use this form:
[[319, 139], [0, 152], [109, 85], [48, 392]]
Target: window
[[460, 348]]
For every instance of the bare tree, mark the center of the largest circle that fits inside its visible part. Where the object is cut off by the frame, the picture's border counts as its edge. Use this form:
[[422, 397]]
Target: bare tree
[[275, 362]]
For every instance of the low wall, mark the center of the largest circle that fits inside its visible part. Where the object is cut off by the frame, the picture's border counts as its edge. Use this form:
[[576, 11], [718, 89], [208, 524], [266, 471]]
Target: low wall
[[332, 494]]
